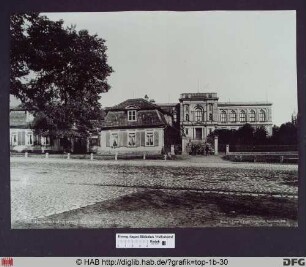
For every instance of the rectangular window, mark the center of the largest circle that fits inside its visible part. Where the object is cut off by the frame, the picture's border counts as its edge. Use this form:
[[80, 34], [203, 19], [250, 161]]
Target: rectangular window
[[114, 140], [149, 139], [132, 115], [186, 131], [29, 139], [132, 139]]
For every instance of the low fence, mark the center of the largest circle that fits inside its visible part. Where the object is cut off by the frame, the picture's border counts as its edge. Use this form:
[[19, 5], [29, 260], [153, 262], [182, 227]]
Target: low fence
[[90, 156], [263, 148], [271, 153], [279, 157]]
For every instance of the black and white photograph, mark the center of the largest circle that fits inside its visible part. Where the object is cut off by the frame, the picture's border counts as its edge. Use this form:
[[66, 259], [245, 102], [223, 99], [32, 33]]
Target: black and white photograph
[[153, 119]]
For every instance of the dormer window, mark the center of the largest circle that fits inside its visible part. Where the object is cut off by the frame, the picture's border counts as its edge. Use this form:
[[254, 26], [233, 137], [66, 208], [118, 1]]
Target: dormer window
[[131, 115]]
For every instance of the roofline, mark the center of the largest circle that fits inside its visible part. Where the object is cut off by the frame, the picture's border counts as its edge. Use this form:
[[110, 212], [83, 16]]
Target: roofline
[[20, 109], [22, 127], [154, 106], [167, 104], [245, 104], [133, 127]]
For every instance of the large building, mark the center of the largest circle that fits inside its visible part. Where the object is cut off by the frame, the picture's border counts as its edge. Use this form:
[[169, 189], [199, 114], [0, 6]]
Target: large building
[[202, 113]]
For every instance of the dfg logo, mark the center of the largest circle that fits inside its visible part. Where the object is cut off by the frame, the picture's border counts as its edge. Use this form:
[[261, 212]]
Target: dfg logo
[[293, 262]]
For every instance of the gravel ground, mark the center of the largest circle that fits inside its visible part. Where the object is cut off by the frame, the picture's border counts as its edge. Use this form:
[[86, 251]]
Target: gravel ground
[[57, 193]]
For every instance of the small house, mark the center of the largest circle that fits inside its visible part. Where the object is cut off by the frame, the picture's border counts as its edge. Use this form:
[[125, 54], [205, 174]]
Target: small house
[[138, 126]]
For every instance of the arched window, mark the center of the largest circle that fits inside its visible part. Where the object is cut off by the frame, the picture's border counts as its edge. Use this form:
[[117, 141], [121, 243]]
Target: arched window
[[223, 116], [262, 116], [233, 116], [199, 114], [242, 116], [252, 115]]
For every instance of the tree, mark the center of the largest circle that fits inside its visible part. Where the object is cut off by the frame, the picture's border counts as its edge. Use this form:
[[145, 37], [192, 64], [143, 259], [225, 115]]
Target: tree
[[225, 136], [58, 73], [244, 135], [287, 134], [260, 136], [19, 52]]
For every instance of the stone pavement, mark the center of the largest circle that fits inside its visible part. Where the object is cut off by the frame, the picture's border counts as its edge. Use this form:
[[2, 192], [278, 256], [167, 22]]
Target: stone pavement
[[42, 187]]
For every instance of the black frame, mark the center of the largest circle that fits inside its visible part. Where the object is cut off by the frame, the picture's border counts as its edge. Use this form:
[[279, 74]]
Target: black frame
[[264, 241]]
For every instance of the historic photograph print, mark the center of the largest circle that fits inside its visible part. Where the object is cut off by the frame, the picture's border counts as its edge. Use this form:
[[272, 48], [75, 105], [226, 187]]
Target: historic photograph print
[[153, 119]]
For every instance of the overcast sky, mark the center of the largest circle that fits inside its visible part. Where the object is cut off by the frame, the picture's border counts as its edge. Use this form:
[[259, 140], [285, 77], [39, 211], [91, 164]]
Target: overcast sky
[[241, 55]]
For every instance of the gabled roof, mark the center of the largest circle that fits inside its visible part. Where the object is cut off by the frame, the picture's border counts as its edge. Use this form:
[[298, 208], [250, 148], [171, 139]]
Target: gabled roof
[[136, 103]]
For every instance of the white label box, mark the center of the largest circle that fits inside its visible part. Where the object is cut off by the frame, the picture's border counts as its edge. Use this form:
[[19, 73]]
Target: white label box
[[145, 240]]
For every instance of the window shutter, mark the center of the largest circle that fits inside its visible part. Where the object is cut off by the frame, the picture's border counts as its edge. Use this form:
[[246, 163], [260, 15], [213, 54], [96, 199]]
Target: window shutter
[[120, 138], [124, 138], [156, 138], [21, 138], [137, 139], [107, 141], [143, 138]]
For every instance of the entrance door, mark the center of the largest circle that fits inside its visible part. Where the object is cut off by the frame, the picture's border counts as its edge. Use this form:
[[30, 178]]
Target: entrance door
[[198, 133]]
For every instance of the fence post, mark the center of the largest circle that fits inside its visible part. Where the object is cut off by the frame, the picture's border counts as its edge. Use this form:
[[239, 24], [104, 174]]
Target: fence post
[[165, 157], [47, 155], [216, 145], [91, 156], [68, 156], [116, 156], [144, 156], [281, 159], [26, 154], [227, 150]]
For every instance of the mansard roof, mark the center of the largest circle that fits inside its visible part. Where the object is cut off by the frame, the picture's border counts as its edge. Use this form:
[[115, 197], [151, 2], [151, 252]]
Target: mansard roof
[[136, 103], [144, 119], [18, 119]]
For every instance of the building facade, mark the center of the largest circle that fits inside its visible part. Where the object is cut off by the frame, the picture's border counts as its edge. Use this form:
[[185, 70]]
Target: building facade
[[23, 136], [141, 126], [202, 113]]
